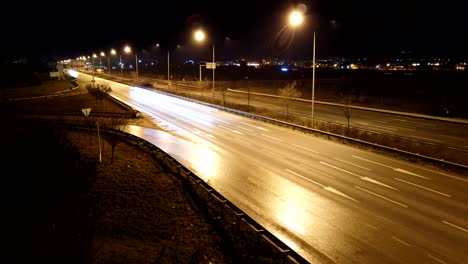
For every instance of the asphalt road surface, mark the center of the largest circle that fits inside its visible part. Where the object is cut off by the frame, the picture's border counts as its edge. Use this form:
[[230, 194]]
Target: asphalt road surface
[[329, 202]]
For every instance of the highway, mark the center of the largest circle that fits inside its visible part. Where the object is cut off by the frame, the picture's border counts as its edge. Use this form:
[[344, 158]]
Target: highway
[[331, 203], [434, 131]]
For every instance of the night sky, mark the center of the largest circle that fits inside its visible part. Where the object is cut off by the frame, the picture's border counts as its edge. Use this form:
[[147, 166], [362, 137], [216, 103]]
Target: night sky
[[238, 28]]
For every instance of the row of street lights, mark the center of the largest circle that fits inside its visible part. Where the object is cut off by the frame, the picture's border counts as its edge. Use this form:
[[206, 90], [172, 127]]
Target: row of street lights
[[126, 49], [296, 18]]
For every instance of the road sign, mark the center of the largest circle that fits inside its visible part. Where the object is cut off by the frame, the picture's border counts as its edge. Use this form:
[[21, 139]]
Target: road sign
[[86, 111], [211, 65]]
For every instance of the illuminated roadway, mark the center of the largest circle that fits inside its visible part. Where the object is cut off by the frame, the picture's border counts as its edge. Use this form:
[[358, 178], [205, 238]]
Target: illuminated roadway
[[329, 202]]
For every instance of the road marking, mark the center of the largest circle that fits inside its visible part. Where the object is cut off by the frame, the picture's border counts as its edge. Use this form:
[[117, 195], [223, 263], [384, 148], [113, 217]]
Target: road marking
[[323, 173], [245, 142], [399, 119], [272, 153], [246, 129], [453, 225], [305, 178], [410, 173], [261, 128], [447, 175], [436, 259], [377, 182], [425, 138], [422, 187], [401, 241], [347, 162], [383, 197], [234, 131], [219, 120], [370, 225], [297, 146], [362, 123], [383, 165], [340, 169], [335, 191], [211, 136], [271, 137], [395, 169], [384, 128], [327, 188]]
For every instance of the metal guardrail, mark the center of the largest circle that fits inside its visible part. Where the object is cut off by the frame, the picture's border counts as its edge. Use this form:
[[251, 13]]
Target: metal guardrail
[[445, 119]]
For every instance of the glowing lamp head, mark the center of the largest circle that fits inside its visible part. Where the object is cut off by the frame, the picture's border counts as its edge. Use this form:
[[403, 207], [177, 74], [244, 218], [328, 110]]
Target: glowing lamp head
[[295, 18], [199, 35]]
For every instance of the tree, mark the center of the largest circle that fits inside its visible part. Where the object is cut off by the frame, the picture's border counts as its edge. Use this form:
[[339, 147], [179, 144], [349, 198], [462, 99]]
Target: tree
[[111, 128], [289, 93], [99, 91]]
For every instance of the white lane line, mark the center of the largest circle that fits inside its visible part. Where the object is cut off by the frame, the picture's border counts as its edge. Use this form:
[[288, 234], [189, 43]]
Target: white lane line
[[340, 169], [305, 178], [323, 173], [327, 188], [361, 177], [219, 120], [271, 137], [361, 123], [232, 130], [240, 140], [370, 225], [399, 119], [390, 167], [261, 128], [401, 241], [350, 163], [383, 197], [453, 225], [335, 191], [379, 183], [425, 138], [246, 129], [297, 146], [272, 153], [410, 173], [383, 165], [384, 128], [422, 187], [450, 176], [436, 259]]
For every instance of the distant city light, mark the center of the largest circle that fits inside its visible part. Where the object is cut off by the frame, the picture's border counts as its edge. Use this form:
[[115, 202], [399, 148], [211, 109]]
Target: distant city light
[[284, 69]]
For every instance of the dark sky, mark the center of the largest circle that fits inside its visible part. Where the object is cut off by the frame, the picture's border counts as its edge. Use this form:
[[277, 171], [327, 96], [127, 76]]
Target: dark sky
[[237, 28]]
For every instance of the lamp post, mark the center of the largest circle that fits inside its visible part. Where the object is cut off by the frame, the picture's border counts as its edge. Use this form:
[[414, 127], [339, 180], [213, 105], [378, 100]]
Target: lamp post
[[113, 52], [127, 49], [295, 19], [168, 70], [199, 36], [94, 56], [102, 55]]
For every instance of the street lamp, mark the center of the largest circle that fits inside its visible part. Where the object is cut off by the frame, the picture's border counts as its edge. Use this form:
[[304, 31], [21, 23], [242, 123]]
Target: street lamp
[[113, 52], [94, 56], [295, 19], [127, 49], [100, 62], [199, 36]]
